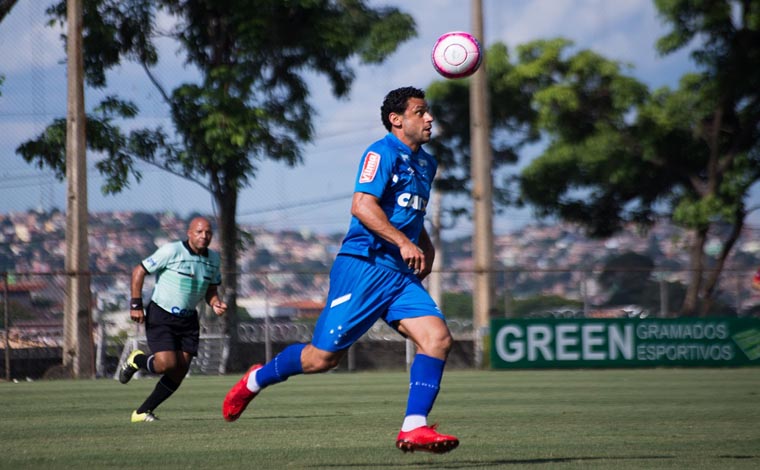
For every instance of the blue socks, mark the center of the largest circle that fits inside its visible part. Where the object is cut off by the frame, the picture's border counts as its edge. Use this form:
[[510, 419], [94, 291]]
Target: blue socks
[[424, 378], [285, 364], [424, 383]]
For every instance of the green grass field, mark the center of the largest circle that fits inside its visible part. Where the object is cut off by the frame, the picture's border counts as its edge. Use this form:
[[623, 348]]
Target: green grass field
[[654, 418]]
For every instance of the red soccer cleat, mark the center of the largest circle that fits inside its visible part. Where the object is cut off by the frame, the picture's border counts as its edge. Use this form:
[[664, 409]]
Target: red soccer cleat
[[426, 439], [239, 396]]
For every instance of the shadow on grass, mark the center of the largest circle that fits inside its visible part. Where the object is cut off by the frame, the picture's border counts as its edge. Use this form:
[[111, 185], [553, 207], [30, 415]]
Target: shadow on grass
[[262, 418], [505, 462], [497, 462]]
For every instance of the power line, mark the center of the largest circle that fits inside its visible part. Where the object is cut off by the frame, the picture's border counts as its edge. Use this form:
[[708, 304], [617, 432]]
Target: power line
[[296, 205]]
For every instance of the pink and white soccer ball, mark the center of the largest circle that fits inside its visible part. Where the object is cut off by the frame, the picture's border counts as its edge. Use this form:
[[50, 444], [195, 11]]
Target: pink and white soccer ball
[[457, 54]]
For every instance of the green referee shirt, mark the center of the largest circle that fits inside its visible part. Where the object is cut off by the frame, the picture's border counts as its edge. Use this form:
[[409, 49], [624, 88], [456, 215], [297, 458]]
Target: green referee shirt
[[183, 277]]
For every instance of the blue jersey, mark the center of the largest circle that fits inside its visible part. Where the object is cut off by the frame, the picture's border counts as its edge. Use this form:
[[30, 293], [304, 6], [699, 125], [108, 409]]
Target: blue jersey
[[401, 180]]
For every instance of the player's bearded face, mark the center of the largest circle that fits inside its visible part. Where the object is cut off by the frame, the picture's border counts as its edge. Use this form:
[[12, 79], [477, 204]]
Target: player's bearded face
[[418, 122]]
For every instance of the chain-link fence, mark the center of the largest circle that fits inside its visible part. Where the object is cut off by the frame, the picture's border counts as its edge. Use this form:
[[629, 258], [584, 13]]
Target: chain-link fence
[[279, 308]]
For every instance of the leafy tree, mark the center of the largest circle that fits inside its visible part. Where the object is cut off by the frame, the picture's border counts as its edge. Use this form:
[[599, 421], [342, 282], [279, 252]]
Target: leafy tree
[[251, 102], [620, 154], [5, 8], [617, 152], [726, 123], [589, 172], [512, 119]]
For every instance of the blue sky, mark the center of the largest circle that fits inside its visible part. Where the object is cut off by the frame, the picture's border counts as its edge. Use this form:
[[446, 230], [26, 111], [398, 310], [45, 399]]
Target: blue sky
[[315, 195]]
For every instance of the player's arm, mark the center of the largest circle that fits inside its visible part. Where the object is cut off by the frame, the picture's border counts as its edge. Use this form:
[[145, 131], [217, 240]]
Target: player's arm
[[136, 312], [212, 298], [366, 208]]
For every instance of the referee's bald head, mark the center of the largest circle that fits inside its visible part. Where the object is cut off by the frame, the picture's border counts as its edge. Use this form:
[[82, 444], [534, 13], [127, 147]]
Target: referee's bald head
[[199, 221]]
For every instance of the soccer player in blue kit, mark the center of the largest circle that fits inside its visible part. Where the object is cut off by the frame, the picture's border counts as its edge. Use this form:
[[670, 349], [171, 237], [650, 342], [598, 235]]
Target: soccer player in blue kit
[[377, 274]]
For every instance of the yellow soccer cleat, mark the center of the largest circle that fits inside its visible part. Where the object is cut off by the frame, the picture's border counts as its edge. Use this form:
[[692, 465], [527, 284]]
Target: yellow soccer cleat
[[146, 417], [128, 368]]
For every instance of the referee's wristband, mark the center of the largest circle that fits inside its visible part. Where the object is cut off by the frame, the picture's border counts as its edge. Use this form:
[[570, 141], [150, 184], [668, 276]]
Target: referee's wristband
[[136, 303]]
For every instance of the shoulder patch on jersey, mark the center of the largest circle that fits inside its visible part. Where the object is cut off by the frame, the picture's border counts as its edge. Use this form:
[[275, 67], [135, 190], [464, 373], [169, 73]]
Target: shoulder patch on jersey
[[369, 168]]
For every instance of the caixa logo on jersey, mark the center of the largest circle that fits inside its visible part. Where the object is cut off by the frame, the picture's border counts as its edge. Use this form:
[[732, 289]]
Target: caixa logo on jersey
[[182, 312], [412, 201]]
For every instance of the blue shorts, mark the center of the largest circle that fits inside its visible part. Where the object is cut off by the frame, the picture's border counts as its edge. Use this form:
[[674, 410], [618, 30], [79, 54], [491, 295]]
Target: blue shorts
[[361, 293]]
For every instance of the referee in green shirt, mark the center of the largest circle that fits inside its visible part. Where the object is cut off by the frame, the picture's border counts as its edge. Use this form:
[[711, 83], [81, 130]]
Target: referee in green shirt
[[186, 272]]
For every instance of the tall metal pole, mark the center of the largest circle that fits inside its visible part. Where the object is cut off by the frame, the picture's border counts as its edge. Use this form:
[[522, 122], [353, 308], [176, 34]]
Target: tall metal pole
[[434, 281], [482, 196], [77, 322], [7, 324], [435, 278]]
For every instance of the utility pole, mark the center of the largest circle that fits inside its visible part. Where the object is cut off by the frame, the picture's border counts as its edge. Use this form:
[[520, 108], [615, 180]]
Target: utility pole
[[482, 196], [434, 281], [77, 322], [7, 325], [435, 278]]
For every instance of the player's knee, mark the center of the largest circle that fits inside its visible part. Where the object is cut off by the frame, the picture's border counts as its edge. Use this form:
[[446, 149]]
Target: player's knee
[[163, 363], [437, 345], [447, 342], [443, 343]]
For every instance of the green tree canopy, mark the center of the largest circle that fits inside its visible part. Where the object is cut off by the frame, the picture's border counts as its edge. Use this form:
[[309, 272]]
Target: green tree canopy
[[511, 88], [617, 153], [250, 103], [5, 8], [689, 154]]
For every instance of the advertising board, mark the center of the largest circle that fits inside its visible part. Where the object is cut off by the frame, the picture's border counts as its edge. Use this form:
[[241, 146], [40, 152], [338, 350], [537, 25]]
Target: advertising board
[[629, 342]]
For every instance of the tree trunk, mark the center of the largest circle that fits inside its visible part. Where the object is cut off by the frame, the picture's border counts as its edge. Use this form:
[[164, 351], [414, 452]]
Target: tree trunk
[[696, 266], [226, 201], [712, 279]]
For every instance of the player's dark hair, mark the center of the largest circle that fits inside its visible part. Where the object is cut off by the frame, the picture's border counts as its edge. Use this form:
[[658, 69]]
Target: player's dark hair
[[395, 102]]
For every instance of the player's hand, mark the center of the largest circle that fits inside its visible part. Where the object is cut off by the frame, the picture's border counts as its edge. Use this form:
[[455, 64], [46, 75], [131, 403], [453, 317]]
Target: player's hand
[[424, 273], [219, 307], [137, 315], [429, 255], [414, 258]]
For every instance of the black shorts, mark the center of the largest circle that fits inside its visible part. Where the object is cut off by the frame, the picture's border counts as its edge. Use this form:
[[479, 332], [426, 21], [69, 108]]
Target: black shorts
[[167, 332]]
